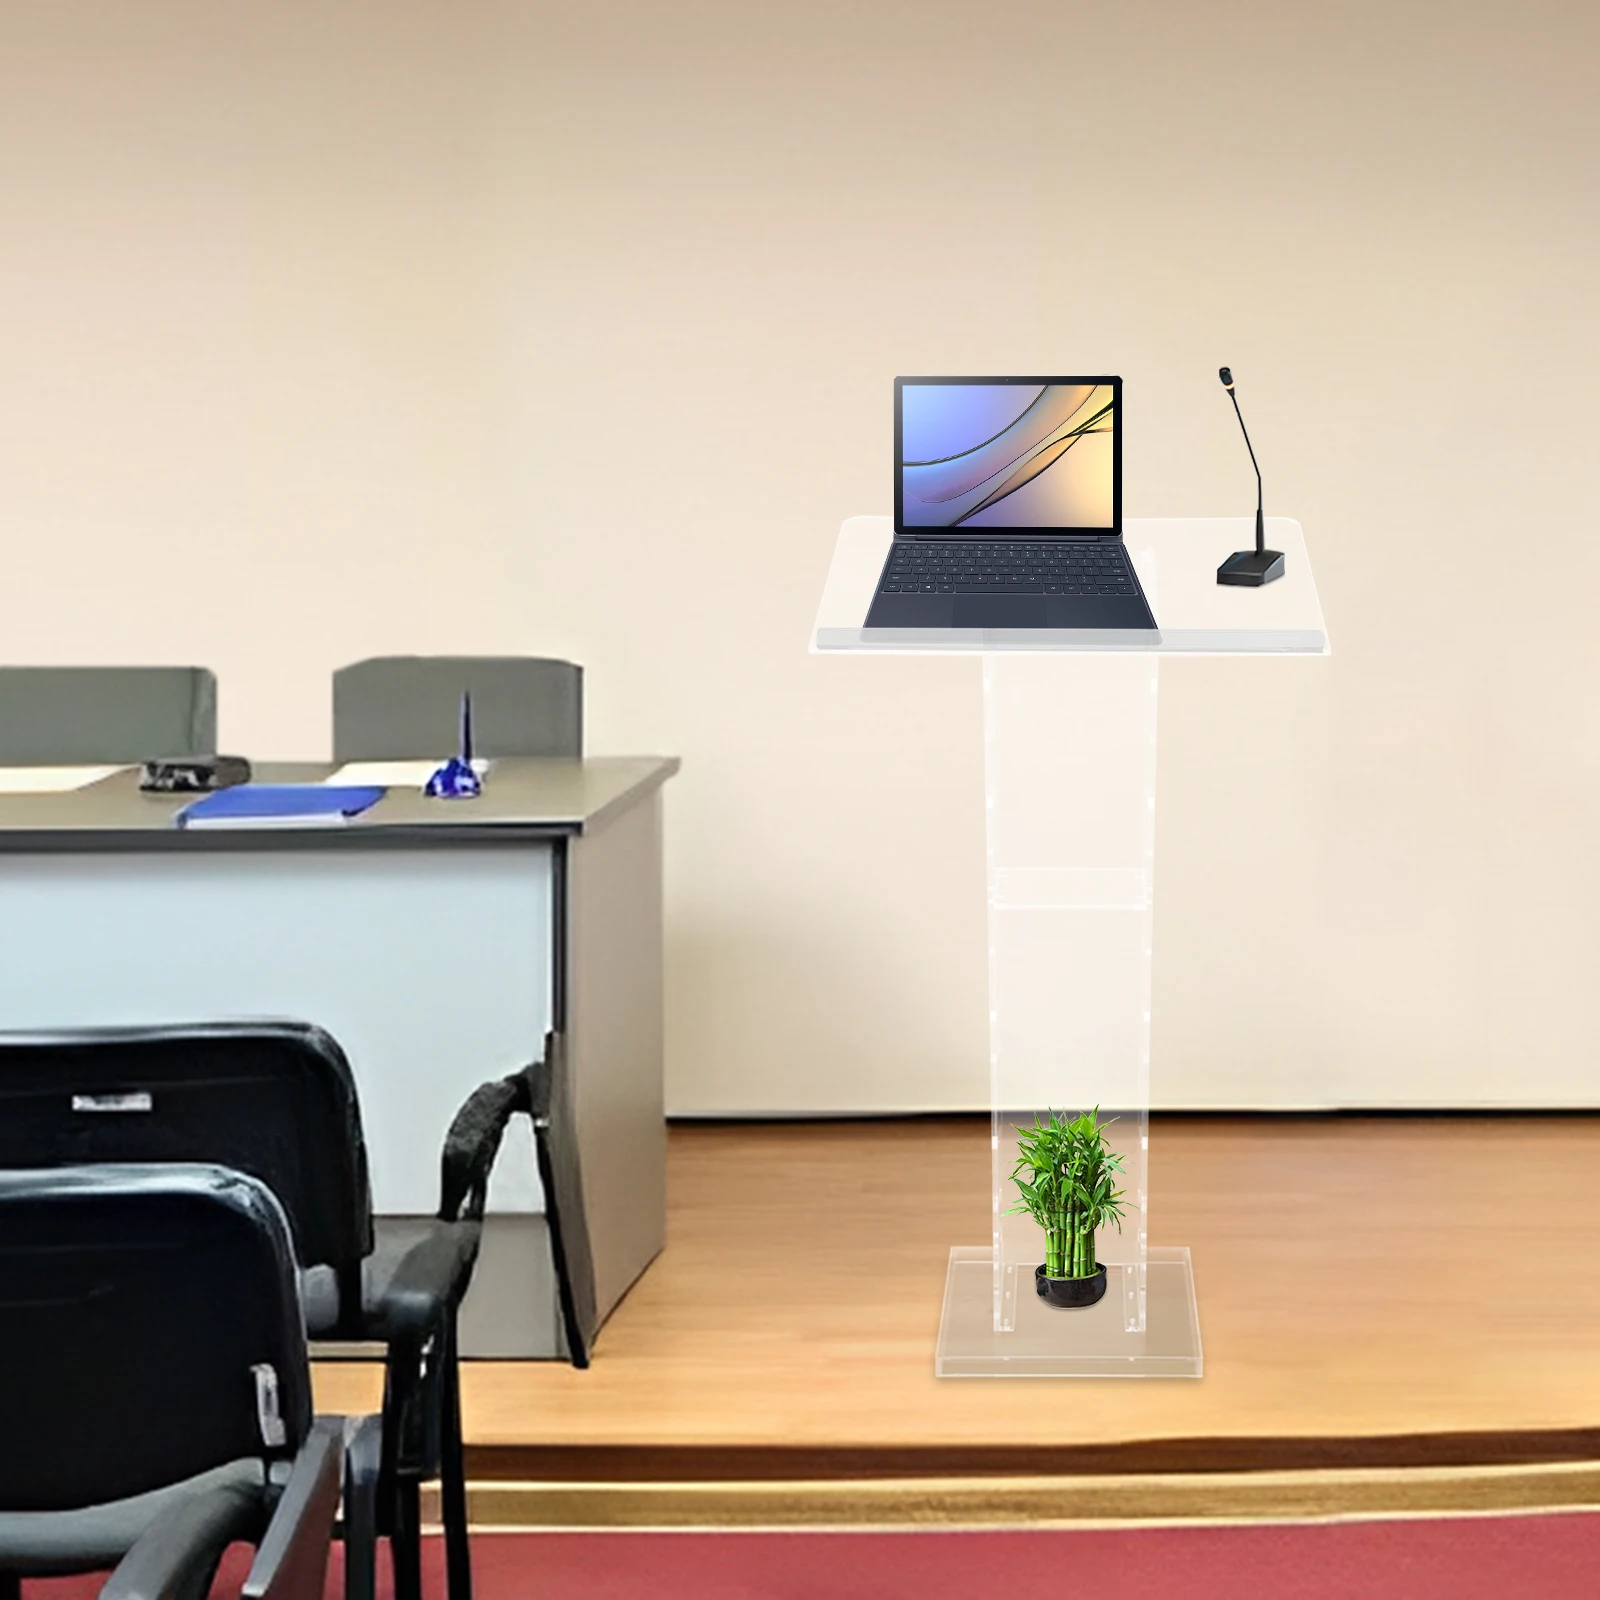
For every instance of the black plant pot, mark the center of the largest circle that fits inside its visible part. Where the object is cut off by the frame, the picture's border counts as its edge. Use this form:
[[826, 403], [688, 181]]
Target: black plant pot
[[1070, 1293]]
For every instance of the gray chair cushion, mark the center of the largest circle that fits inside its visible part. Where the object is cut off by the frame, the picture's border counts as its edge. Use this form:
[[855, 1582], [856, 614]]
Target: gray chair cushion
[[63, 716], [319, 1288], [42, 1542], [417, 1266], [394, 708]]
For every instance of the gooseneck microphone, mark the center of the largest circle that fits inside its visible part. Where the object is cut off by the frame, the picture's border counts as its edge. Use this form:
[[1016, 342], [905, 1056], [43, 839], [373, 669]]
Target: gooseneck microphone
[[1261, 526], [1249, 568]]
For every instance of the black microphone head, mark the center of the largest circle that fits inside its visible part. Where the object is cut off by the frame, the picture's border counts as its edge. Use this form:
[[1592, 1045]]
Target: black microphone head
[[1226, 375]]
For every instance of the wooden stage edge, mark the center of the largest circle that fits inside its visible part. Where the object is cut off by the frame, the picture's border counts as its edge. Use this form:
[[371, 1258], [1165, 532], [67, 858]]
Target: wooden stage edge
[[647, 1464], [1102, 1500], [1384, 1335]]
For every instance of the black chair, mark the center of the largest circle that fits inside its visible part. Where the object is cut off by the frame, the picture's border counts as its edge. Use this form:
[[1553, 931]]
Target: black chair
[[542, 1092], [393, 708], [156, 1395], [278, 1101]]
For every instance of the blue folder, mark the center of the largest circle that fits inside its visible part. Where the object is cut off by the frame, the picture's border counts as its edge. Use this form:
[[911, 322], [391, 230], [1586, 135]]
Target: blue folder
[[280, 805]]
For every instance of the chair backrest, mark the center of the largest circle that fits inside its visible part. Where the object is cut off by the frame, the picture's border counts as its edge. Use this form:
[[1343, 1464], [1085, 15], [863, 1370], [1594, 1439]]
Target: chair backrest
[[276, 1100], [63, 716], [150, 1331], [394, 708], [555, 1127], [543, 1091]]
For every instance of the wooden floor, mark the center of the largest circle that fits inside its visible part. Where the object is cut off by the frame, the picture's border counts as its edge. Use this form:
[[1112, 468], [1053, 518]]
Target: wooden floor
[[1377, 1296]]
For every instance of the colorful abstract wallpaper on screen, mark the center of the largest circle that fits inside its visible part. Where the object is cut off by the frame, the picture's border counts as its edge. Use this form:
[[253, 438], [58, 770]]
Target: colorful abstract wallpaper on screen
[[1006, 455]]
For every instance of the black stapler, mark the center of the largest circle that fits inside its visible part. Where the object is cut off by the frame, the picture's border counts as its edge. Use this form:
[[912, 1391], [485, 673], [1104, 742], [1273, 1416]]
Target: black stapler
[[193, 774]]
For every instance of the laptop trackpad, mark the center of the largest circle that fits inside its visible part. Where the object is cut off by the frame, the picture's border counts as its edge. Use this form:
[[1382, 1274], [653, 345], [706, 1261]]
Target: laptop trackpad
[[1000, 611]]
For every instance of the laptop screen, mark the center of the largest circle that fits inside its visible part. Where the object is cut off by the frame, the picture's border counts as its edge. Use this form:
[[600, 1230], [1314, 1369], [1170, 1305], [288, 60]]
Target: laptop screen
[[1015, 454]]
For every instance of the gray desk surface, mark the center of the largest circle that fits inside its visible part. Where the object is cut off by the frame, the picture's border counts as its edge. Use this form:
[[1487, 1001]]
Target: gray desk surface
[[522, 799]]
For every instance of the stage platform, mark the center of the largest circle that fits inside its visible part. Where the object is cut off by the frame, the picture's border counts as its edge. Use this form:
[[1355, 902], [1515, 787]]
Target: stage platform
[[1399, 1315]]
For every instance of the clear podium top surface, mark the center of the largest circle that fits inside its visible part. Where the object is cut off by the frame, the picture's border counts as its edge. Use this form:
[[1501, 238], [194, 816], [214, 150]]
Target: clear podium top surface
[[1177, 560]]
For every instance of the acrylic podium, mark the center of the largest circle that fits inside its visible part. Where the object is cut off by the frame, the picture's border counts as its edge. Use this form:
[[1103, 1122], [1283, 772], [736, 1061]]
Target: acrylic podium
[[1070, 794]]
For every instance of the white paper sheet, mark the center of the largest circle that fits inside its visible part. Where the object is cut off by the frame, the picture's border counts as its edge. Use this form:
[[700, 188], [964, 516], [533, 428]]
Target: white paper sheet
[[51, 780], [393, 774]]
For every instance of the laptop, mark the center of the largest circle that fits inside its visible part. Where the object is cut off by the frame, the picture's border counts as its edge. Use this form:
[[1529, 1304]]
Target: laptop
[[1008, 507]]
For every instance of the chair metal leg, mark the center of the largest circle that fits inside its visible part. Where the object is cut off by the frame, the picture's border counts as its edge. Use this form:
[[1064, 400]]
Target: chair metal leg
[[405, 1540], [452, 1470], [362, 1466], [400, 1477], [198, 1584]]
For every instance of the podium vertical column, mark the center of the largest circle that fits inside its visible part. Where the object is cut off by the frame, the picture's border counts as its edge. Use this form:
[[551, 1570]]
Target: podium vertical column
[[1070, 767]]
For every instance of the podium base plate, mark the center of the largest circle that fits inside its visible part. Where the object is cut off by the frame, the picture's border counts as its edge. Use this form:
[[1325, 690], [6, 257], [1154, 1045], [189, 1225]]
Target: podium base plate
[[1051, 1342]]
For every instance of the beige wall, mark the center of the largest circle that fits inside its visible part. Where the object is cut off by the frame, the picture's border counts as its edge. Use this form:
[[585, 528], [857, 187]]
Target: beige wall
[[570, 329]]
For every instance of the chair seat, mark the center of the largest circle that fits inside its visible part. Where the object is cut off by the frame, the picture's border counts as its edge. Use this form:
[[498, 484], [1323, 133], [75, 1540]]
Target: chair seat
[[406, 1284], [93, 1537]]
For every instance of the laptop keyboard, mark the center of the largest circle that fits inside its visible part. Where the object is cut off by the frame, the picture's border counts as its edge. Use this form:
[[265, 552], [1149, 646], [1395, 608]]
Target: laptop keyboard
[[939, 568]]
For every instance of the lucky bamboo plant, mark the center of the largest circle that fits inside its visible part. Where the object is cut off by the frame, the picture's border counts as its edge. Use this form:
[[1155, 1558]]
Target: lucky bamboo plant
[[1065, 1173]]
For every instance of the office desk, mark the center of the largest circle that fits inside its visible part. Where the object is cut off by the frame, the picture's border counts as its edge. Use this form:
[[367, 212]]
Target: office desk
[[436, 940]]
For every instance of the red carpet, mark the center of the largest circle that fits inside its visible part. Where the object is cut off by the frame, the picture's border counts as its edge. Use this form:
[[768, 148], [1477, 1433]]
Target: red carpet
[[1491, 1558]]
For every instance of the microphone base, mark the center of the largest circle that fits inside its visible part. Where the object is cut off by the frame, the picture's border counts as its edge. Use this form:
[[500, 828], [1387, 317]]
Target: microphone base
[[1249, 569]]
